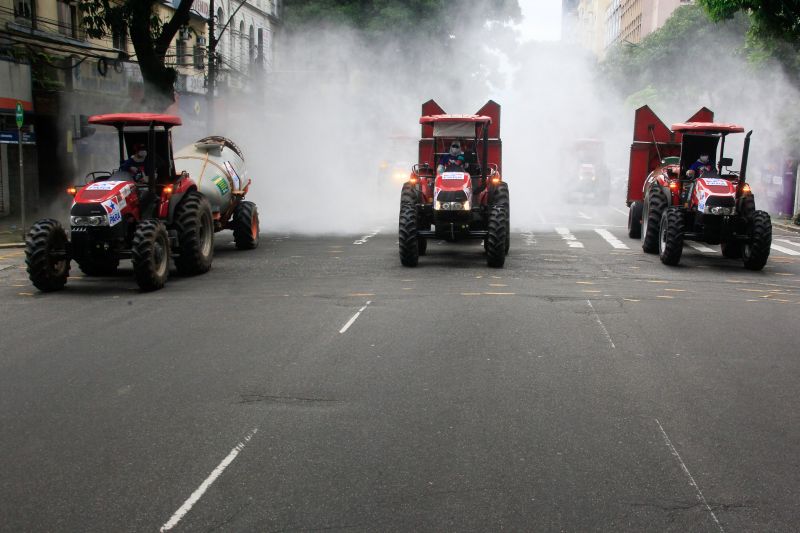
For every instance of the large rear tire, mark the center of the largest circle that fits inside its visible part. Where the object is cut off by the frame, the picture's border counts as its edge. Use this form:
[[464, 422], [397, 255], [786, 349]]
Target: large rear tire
[[501, 197], [150, 255], [650, 222], [408, 236], [246, 226], [46, 255], [496, 237], [635, 220], [755, 252], [408, 195], [670, 236], [195, 228]]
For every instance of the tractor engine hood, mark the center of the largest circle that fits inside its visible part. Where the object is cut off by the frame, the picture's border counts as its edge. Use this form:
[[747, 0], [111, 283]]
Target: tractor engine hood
[[714, 196], [452, 192], [109, 199]]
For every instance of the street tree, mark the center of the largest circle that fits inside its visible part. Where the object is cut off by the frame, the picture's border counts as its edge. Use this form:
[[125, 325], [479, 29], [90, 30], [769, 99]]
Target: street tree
[[150, 35]]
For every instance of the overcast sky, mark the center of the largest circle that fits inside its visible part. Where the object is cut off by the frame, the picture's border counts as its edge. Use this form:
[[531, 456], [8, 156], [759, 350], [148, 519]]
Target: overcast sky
[[541, 20]]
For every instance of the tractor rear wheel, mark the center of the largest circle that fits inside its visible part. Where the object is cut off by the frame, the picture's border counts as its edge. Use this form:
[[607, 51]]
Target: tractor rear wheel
[[651, 220], [99, 265], [500, 197], [731, 249], [755, 252], [408, 236], [195, 234], [409, 194], [496, 237], [670, 236], [635, 220], [46, 255], [150, 255], [245, 226]]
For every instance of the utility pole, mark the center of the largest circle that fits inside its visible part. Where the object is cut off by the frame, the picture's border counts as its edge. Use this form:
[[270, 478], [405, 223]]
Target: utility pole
[[212, 67]]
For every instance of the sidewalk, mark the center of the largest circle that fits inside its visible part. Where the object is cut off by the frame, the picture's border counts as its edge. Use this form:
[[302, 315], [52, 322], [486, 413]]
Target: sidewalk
[[10, 233]]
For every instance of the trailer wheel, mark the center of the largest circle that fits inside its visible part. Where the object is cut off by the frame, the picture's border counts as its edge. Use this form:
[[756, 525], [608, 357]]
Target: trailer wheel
[[635, 220], [731, 249], [150, 255], [670, 236], [755, 252], [496, 237], [195, 234], [102, 265], [46, 255], [246, 226], [650, 221], [408, 236]]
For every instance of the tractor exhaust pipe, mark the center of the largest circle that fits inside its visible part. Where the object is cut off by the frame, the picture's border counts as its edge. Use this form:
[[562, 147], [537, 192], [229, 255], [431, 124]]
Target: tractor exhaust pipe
[[745, 153]]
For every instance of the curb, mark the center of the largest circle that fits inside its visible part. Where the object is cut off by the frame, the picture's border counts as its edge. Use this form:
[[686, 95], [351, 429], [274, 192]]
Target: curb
[[12, 245], [788, 227]]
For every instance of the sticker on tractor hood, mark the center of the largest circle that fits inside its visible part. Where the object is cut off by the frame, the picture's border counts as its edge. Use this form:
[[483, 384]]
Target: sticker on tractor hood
[[453, 176], [113, 211], [715, 181], [222, 185], [103, 185]]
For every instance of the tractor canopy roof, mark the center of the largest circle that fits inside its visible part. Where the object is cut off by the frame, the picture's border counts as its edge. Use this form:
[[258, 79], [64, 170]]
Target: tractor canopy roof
[[136, 119], [455, 125], [707, 127], [433, 119]]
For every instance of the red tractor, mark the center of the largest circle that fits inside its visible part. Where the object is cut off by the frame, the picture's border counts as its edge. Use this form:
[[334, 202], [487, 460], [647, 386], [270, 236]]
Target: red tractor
[[456, 196], [680, 187], [146, 212]]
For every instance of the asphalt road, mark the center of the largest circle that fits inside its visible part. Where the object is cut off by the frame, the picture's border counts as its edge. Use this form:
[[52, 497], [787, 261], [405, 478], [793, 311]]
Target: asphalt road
[[315, 384]]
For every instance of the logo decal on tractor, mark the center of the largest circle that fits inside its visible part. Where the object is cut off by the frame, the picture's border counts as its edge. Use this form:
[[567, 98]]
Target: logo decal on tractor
[[221, 184], [715, 181], [453, 176], [112, 208], [103, 185]]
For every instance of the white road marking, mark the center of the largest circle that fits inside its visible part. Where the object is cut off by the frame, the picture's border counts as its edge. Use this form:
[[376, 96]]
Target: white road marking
[[700, 248], [783, 249], [618, 210], [583, 215], [692, 482], [197, 494], [611, 239], [605, 331], [572, 242], [353, 318], [787, 241], [367, 237], [530, 238]]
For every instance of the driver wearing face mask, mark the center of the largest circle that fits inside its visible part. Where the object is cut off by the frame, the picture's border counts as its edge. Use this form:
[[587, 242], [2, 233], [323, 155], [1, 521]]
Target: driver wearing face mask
[[454, 157], [135, 164], [702, 165]]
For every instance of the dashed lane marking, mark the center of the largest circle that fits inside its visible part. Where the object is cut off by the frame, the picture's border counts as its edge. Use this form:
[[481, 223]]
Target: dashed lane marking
[[365, 238], [602, 326], [567, 235], [353, 318], [692, 482], [611, 239], [197, 494]]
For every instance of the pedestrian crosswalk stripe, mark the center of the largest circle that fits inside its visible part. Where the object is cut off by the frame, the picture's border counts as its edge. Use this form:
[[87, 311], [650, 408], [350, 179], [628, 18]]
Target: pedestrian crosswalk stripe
[[783, 249], [700, 248], [787, 241], [611, 239], [572, 242]]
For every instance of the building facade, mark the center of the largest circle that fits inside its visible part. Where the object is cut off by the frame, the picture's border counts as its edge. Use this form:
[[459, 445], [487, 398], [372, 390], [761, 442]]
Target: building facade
[[62, 77]]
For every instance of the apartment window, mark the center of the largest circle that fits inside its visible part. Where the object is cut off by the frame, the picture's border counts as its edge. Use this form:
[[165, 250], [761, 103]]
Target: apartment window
[[199, 53], [119, 38], [180, 52], [260, 59], [67, 18], [251, 45], [23, 9]]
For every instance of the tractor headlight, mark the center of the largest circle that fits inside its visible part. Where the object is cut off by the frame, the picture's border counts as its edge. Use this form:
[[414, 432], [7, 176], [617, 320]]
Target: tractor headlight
[[721, 210], [438, 205], [466, 206], [94, 220]]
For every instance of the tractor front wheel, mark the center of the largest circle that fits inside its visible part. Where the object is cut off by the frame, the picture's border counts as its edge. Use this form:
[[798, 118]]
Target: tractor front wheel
[[245, 226], [670, 236], [150, 255], [46, 255], [755, 252], [635, 220], [408, 236], [496, 237]]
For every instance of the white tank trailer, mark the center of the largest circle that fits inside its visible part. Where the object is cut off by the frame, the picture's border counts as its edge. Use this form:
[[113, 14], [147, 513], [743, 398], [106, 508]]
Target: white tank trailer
[[217, 165]]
